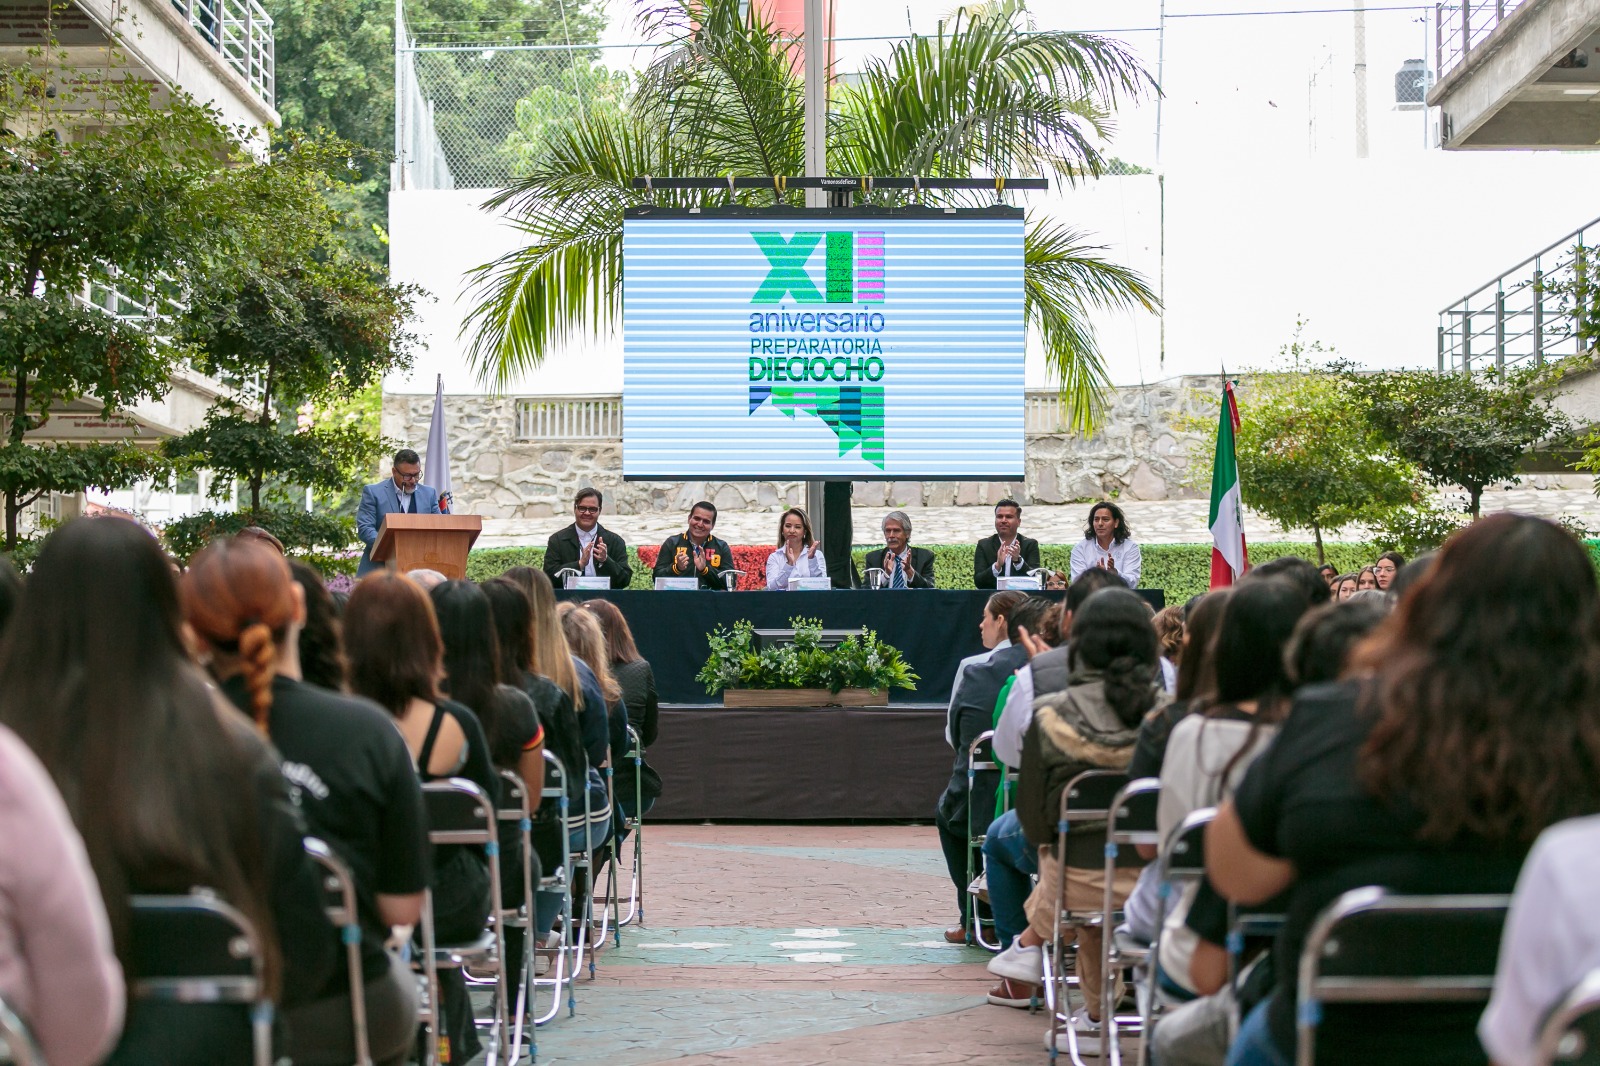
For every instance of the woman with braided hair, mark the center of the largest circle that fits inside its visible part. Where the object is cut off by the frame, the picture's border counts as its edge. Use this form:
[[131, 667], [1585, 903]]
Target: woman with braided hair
[[357, 786]]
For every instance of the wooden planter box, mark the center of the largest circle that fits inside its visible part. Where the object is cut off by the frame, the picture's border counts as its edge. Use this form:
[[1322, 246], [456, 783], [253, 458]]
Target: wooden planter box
[[803, 697]]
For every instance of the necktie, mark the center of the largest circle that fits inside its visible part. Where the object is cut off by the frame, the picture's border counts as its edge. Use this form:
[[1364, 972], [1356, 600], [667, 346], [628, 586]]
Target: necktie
[[898, 581]]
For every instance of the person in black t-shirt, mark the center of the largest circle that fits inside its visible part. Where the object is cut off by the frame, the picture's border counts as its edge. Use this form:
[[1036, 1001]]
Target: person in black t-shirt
[[354, 777], [396, 659], [1379, 782], [169, 787]]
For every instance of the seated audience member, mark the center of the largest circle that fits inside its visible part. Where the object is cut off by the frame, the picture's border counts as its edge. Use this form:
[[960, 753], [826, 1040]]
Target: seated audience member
[[695, 552], [1055, 580], [264, 536], [1411, 573], [426, 580], [1478, 727], [1366, 580], [904, 567], [1197, 1032], [1320, 649], [1388, 565], [357, 787], [169, 786], [1369, 596], [397, 661], [992, 632], [1330, 574], [586, 547], [1344, 587], [797, 553], [638, 683], [1114, 680], [588, 643], [1299, 572], [58, 970], [1209, 751], [513, 619], [10, 590], [1006, 554], [1108, 545], [1048, 666], [972, 714], [1551, 941], [1169, 636], [321, 637]]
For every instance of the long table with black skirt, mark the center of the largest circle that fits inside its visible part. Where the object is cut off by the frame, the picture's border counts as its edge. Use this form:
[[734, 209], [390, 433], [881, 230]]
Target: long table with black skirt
[[802, 763]]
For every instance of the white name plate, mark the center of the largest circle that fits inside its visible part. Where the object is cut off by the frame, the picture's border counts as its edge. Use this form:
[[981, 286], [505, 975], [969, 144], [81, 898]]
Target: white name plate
[[810, 584], [588, 582], [1017, 584], [677, 584]]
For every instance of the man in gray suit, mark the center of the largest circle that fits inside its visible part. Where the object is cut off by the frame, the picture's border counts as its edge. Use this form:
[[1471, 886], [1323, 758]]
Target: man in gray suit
[[401, 494]]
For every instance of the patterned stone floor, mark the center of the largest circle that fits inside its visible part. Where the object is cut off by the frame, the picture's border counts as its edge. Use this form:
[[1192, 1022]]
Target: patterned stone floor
[[1152, 521], [792, 945]]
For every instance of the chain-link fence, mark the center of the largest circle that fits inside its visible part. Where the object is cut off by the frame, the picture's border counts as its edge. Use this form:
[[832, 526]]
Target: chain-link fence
[[475, 115]]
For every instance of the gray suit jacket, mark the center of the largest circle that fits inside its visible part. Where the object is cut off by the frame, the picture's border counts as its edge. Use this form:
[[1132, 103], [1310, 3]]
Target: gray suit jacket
[[382, 498]]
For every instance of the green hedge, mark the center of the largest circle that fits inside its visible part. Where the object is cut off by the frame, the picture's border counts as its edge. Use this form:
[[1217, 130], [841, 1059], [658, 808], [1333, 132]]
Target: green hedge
[[1183, 570]]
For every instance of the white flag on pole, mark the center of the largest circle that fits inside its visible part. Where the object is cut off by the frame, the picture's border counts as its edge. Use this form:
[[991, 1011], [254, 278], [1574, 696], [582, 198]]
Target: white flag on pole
[[436, 464]]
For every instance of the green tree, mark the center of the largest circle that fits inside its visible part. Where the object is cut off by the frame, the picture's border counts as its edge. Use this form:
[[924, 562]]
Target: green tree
[[984, 95], [335, 72], [105, 189], [1470, 431], [1308, 457], [294, 319]]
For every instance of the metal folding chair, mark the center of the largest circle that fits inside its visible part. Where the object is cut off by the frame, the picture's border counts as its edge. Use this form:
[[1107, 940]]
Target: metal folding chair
[[339, 886], [460, 813], [582, 862], [980, 750], [634, 826], [1086, 798], [198, 949], [1572, 1032], [518, 913], [557, 880], [17, 1046], [1131, 822], [1372, 947], [1182, 862]]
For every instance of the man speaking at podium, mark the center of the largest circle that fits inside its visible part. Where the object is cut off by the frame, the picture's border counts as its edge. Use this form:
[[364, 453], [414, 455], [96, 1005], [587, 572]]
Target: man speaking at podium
[[402, 493]]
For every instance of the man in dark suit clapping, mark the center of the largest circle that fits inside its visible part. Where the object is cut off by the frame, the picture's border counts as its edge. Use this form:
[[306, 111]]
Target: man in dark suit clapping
[[586, 547], [906, 567], [1007, 553]]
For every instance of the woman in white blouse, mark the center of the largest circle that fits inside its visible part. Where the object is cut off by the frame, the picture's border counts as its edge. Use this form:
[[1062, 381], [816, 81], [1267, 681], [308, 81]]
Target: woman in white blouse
[[1106, 544], [797, 554]]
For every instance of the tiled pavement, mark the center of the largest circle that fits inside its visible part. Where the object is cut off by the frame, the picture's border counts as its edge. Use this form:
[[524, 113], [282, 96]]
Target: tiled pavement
[[792, 945], [1152, 521]]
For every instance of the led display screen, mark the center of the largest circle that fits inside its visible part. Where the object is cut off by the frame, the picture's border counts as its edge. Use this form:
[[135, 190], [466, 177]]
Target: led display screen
[[791, 344]]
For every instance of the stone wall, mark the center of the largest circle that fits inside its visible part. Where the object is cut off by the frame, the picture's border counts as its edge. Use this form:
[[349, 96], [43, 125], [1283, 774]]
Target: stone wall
[[1140, 452]]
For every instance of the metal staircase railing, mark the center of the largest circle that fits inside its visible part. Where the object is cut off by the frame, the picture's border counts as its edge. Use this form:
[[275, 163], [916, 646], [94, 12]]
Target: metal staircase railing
[[1462, 25], [1528, 315]]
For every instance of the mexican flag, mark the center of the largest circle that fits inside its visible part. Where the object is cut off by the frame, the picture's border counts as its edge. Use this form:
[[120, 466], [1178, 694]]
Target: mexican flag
[[1229, 556]]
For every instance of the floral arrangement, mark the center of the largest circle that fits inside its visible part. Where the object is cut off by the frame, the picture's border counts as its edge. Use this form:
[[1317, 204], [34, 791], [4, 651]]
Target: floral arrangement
[[859, 661]]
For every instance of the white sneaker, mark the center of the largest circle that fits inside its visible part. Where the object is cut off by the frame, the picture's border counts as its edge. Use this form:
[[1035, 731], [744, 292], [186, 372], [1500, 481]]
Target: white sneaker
[[1020, 963], [1086, 1029]]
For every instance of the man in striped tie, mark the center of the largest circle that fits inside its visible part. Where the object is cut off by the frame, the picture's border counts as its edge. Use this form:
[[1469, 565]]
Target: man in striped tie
[[906, 567]]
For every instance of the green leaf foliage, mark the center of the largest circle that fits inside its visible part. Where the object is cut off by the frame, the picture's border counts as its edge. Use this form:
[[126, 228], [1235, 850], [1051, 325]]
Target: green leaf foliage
[[1309, 457], [238, 448], [859, 661], [1470, 431], [28, 471], [988, 95], [303, 533]]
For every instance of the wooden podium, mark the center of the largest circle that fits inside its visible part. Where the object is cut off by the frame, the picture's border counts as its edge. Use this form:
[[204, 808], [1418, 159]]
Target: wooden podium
[[427, 542]]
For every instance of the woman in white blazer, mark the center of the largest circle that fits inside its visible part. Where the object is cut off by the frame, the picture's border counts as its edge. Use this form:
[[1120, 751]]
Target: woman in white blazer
[[798, 554]]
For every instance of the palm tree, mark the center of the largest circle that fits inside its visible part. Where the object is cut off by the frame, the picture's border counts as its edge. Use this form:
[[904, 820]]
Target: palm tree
[[985, 95]]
